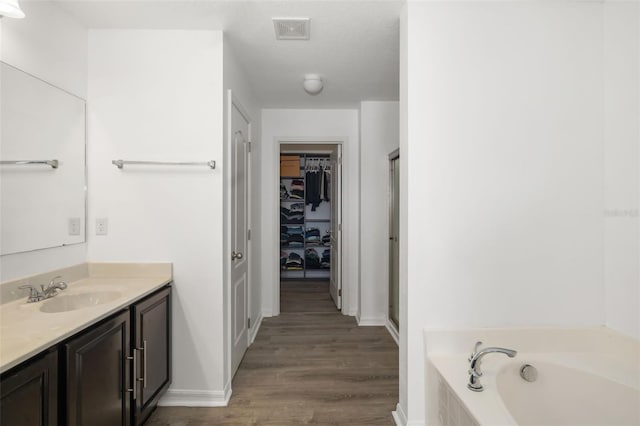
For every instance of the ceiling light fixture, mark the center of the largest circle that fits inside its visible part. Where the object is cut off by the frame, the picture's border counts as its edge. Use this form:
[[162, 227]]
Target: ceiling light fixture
[[11, 9], [312, 84]]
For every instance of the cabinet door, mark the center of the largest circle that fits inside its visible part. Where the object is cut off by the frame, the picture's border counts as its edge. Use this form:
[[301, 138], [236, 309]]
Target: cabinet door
[[152, 338], [29, 394], [98, 375]]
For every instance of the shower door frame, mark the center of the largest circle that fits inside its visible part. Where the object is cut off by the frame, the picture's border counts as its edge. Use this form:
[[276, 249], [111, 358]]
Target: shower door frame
[[393, 325]]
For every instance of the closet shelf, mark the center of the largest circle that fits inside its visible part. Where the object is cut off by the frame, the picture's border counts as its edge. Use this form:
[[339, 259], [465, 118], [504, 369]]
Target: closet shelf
[[317, 220]]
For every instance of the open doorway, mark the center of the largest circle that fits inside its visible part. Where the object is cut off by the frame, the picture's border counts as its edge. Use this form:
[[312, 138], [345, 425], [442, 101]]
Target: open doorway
[[310, 226]]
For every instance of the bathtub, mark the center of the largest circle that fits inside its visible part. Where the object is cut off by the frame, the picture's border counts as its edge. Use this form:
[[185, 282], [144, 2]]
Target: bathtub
[[563, 395], [584, 378]]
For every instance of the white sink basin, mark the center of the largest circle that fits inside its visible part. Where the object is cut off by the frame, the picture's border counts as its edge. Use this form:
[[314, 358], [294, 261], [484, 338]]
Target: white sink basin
[[72, 302]]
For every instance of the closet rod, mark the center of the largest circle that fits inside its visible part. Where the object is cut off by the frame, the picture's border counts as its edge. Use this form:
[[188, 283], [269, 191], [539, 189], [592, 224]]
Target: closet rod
[[121, 163]]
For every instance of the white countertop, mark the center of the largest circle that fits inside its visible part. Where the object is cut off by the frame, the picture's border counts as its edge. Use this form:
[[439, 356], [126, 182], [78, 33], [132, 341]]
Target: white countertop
[[25, 330]]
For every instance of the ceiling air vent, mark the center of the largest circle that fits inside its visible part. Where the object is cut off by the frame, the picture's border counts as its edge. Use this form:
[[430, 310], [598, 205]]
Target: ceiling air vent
[[291, 28]]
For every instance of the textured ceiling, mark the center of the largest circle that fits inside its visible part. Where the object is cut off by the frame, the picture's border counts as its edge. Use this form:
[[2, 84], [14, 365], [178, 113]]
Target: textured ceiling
[[354, 45]]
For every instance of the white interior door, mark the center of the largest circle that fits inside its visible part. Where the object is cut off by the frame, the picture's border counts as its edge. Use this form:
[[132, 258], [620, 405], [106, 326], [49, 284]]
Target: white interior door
[[240, 133], [335, 281]]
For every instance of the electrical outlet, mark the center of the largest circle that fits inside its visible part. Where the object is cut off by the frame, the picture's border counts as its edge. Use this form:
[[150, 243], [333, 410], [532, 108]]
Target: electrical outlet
[[74, 226], [102, 226]]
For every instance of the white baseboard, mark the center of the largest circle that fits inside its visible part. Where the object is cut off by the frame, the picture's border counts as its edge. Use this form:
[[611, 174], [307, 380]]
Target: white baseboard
[[371, 321], [253, 332], [196, 398], [392, 331], [399, 416]]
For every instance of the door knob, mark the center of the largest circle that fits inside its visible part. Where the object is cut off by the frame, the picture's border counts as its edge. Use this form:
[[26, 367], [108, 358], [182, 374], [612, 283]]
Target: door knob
[[235, 255]]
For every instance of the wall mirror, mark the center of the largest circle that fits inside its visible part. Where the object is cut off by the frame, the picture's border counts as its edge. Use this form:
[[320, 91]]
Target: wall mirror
[[42, 164]]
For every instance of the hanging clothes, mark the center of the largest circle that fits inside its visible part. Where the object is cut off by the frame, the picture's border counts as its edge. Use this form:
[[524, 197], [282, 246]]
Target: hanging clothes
[[316, 183], [321, 183], [312, 188], [326, 181]]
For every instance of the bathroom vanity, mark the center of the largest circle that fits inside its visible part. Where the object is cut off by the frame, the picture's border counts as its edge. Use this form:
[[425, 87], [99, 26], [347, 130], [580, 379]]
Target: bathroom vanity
[[99, 353]]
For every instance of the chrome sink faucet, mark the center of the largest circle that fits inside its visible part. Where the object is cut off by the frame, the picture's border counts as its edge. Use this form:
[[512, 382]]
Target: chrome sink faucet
[[47, 292], [474, 364]]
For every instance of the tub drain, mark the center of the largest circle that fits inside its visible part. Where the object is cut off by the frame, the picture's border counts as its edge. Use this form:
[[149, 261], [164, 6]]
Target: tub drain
[[529, 373]]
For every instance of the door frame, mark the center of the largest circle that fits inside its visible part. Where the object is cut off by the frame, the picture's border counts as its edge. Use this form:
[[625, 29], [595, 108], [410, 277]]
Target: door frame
[[231, 102], [275, 244]]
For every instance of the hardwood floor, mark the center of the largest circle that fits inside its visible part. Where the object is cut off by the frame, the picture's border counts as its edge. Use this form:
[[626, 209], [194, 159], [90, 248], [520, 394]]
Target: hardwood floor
[[310, 365]]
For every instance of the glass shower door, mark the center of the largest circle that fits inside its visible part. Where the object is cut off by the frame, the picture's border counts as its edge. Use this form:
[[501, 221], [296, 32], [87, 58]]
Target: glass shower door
[[394, 232]]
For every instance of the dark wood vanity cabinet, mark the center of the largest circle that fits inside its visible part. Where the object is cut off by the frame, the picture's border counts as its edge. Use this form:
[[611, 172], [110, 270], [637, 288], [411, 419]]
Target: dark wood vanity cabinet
[[152, 339], [28, 393], [98, 375], [111, 374], [117, 370]]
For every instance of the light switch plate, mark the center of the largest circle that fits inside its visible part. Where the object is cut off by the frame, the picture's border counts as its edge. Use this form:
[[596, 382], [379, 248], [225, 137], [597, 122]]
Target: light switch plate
[[74, 226], [102, 226]]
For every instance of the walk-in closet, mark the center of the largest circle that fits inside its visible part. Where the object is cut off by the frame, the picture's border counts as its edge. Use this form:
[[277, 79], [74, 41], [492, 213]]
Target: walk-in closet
[[305, 216], [310, 203]]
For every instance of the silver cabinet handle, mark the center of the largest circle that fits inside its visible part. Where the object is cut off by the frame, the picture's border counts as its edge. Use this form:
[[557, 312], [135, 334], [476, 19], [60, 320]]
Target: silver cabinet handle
[[134, 358], [144, 365], [237, 255]]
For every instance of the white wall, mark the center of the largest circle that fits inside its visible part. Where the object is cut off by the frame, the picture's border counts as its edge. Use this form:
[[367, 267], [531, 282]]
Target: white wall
[[379, 133], [621, 133], [292, 123], [235, 79], [505, 174], [157, 95], [50, 45]]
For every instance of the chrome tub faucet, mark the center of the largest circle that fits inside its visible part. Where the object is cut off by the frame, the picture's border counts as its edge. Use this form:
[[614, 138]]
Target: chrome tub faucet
[[51, 290], [474, 364]]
